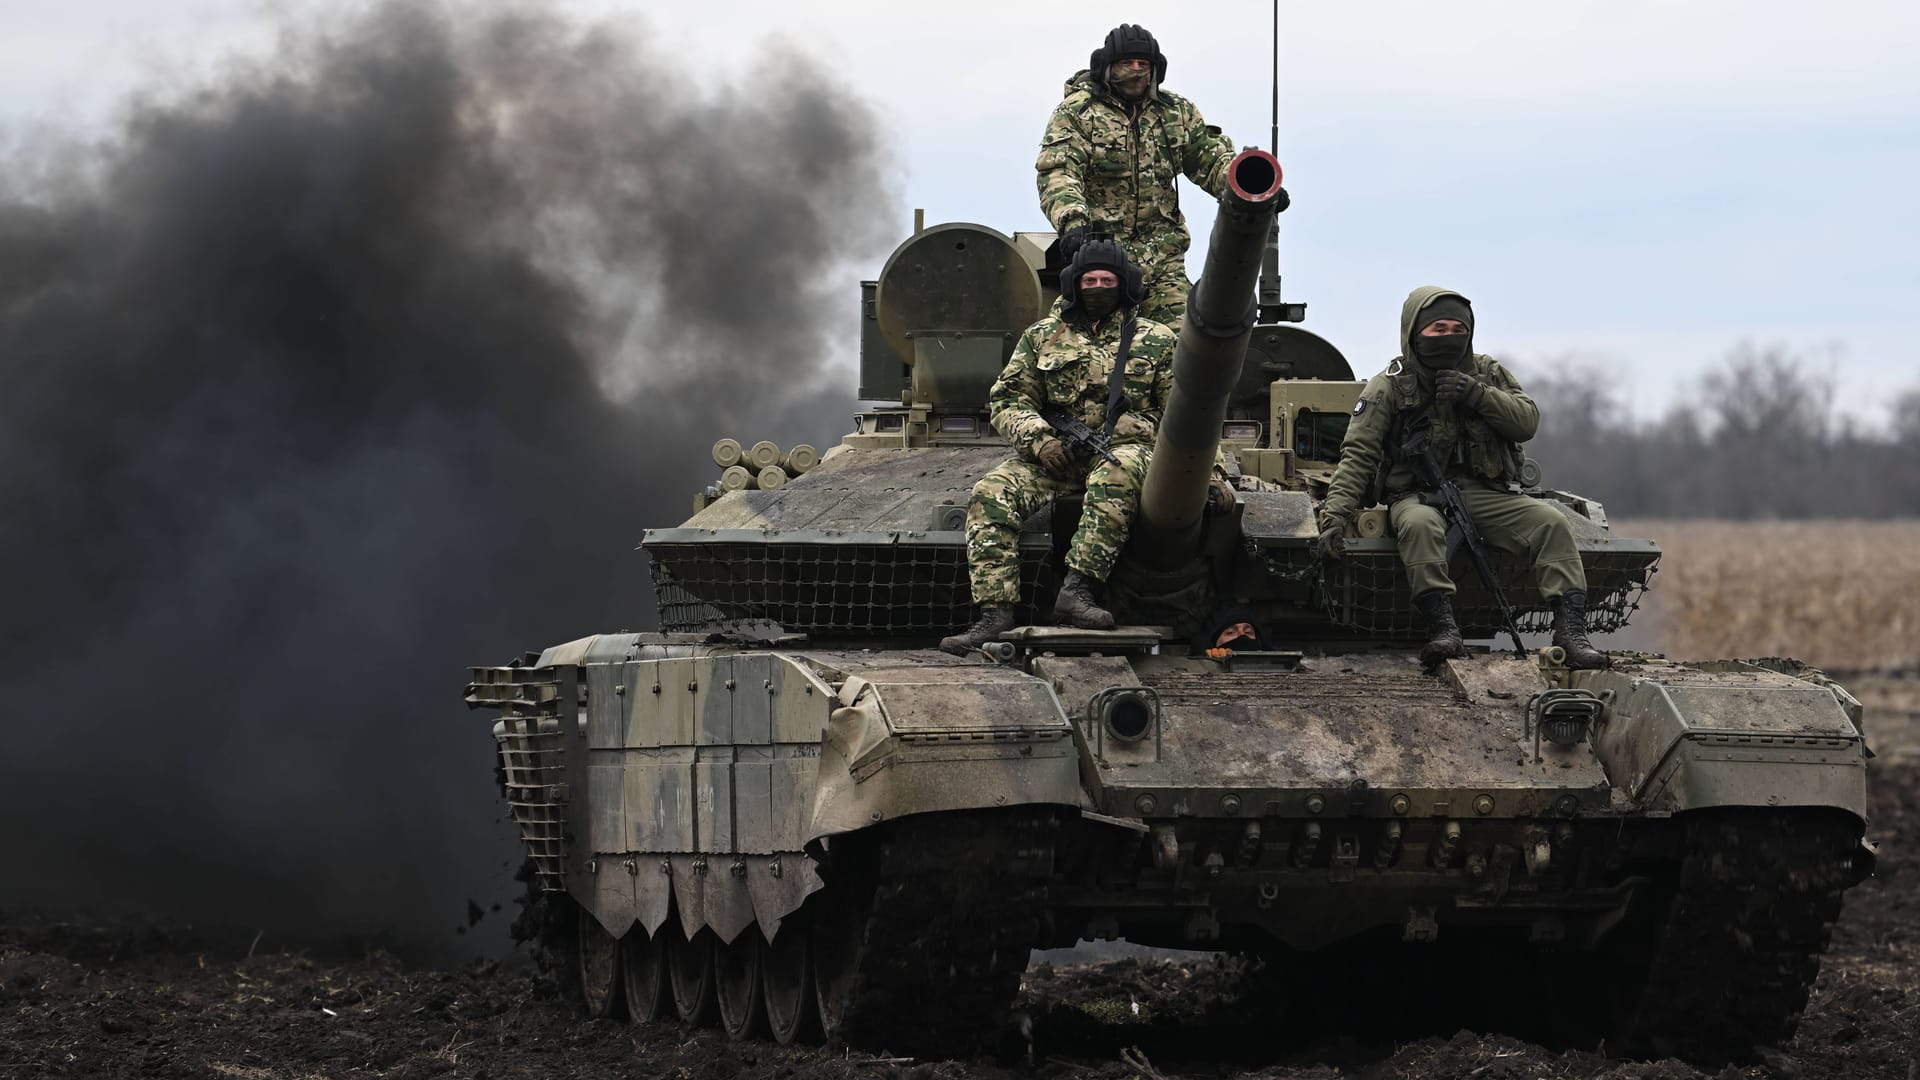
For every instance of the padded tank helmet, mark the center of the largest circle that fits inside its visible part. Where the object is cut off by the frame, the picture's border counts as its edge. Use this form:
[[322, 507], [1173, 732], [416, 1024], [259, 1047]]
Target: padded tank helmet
[[1101, 253], [1124, 42]]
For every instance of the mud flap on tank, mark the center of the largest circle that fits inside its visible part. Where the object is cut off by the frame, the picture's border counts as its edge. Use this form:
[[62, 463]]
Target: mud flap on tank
[[728, 893], [613, 904], [724, 893], [779, 884], [653, 890]]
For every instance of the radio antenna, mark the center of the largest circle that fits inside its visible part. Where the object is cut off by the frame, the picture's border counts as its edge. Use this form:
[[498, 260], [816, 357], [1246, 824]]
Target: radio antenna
[[1273, 138], [1270, 307]]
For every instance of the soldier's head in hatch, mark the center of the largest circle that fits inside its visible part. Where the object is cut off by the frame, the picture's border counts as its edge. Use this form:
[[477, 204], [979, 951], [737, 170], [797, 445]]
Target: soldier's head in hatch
[[1231, 629]]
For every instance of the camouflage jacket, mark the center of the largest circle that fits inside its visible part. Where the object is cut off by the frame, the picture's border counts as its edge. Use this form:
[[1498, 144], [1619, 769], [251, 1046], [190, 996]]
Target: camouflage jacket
[[1065, 362], [1483, 442], [1116, 173]]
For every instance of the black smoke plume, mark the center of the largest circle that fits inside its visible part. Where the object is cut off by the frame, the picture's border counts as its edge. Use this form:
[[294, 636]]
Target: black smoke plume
[[355, 366]]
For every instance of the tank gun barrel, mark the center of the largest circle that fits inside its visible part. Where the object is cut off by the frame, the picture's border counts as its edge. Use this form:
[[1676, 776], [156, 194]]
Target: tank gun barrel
[[1206, 363]]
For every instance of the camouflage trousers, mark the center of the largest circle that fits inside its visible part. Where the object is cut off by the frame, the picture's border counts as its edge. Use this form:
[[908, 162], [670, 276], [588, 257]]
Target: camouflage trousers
[[1015, 488], [1167, 287], [1508, 522]]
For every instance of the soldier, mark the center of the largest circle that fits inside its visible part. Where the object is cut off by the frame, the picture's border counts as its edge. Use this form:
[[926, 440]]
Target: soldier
[[1231, 629], [1476, 416], [1067, 361], [1112, 154]]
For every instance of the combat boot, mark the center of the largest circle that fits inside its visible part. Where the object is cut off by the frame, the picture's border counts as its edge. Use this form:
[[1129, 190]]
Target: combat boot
[[1076, 606], [995, 619], [1443, 633], [1570, 632]]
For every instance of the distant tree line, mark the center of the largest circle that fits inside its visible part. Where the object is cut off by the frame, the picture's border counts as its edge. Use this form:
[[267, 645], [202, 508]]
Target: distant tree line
[[1759, 439]]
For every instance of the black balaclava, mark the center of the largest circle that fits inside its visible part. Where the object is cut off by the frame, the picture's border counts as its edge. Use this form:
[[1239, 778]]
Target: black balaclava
[[1450, 349], [1099, 301], [1099, 254], [1222, 620]]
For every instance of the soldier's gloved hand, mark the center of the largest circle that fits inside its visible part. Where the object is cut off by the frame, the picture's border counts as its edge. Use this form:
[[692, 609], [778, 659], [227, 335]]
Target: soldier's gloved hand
[[1052, 455], [1451, 386], [1132, 429], [1220, 495], [1071, 240], [1332, 539]]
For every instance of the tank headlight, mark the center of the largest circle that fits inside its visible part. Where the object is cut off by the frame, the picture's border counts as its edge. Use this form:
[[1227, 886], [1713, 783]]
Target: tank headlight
[[1240, 431], [1127, 714], [960, 425]]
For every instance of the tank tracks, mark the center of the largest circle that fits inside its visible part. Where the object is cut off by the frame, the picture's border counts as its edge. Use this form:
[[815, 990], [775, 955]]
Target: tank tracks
[[916, 945], [1731, 967], [921, 936], [923, 931]]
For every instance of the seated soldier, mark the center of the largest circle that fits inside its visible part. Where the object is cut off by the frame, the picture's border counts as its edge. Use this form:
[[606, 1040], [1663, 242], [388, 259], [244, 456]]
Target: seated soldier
[[1475, 416], [1067, 361]]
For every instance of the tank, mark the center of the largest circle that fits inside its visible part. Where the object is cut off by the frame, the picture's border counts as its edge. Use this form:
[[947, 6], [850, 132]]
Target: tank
[[787, 812]]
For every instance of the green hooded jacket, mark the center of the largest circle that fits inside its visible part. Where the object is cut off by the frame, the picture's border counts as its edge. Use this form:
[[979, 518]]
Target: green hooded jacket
[[1104, 167], [1484, 443]]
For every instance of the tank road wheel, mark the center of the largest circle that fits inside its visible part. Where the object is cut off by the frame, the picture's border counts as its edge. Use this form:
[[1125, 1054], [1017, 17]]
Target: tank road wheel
[[690, 971], [785, 971], [599, 954], [643, 965], [737, 970]]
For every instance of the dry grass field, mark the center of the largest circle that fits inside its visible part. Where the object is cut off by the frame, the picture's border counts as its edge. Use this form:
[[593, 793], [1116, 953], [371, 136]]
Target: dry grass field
[[1841, 595]]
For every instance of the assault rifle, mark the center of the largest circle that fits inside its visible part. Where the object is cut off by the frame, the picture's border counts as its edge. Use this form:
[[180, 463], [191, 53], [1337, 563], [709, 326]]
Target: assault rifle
[[1080, 438], [1444, 495]]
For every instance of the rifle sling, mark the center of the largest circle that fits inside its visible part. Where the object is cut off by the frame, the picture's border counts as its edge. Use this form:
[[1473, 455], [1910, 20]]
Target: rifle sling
[[1118, 377]]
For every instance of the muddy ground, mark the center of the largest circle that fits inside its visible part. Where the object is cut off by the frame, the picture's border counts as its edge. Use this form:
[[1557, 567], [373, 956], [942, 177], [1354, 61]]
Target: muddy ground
[[86, 1001]]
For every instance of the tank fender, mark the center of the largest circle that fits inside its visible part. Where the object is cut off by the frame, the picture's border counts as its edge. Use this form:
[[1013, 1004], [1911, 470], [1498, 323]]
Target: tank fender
[[920, 740], [1678, 737]]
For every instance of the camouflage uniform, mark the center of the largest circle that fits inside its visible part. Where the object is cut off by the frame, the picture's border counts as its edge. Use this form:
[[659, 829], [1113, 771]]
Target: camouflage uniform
[[1113, 170], [1065, 362], [1482, 452]]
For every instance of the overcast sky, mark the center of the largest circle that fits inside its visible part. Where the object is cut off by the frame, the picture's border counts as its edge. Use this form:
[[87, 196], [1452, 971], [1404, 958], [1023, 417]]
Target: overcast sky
[[1643, 184]]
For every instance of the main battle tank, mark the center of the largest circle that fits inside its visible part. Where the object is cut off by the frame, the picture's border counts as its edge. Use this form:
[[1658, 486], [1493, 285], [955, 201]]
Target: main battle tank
[[787, 809]]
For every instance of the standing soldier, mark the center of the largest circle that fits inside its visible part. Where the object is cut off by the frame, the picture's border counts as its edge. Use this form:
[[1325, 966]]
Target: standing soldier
[[1475, 415], [1069, 361], [1110, 158]]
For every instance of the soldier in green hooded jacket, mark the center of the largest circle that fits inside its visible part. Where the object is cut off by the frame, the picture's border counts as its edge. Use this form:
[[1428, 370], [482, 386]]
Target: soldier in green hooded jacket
[[1066, 361], [1476, 416], [1112, 155]]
